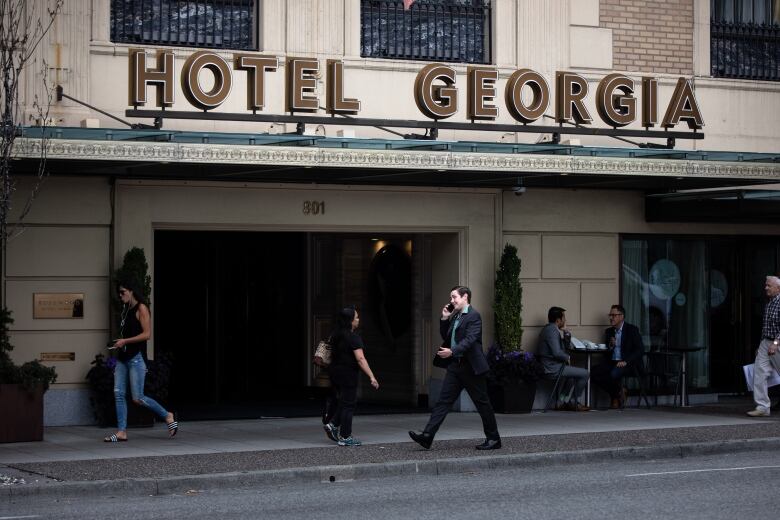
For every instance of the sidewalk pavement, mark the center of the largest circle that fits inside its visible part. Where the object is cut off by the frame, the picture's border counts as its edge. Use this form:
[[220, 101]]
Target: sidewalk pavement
[[215, 454]]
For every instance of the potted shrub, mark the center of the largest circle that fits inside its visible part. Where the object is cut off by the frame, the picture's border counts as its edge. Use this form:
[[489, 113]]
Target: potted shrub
[[512, 379], [512, 382], [101, 390], [21, 391]]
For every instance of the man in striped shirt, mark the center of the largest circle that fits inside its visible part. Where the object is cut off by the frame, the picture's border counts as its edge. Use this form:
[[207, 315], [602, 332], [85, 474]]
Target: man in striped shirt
[[767, 358]]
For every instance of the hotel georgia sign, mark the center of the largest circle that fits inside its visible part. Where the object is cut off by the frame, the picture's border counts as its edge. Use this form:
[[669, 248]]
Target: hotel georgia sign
[[438, 92]]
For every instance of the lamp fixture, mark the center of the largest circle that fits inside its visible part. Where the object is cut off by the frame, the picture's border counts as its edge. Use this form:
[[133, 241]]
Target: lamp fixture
[[519, 188]]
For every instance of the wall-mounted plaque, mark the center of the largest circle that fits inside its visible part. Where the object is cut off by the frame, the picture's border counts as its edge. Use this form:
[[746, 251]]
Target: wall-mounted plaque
[[58, 356], [58, 305]]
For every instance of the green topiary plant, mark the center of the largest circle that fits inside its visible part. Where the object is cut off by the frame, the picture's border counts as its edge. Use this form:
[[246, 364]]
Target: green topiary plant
[[29, 375], [134, 267], [508, 301]]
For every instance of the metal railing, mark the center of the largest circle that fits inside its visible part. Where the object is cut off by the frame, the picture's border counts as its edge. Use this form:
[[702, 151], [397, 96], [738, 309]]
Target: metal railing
[[431, 30], [221, 24], [745, 50]]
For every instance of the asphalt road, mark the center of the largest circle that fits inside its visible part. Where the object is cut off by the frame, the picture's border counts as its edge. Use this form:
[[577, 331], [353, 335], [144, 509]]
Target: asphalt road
[[742, 485]]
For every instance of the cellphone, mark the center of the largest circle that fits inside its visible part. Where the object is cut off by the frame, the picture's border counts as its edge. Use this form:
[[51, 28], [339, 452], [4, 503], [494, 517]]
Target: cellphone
[[450, 307]]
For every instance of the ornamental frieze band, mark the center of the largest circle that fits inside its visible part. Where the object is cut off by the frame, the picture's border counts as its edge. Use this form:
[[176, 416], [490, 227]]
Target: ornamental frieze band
[[326, 157]]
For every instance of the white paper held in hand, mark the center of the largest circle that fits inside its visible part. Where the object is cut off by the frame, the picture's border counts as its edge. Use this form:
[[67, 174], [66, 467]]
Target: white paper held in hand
[[772, 380]]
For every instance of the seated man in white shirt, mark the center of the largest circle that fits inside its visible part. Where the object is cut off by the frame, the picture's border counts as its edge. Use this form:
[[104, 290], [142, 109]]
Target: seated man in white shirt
[[625, 356]]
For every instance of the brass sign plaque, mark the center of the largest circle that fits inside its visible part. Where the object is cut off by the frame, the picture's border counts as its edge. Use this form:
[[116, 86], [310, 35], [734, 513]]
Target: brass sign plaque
[[58, 305], [58, 356]]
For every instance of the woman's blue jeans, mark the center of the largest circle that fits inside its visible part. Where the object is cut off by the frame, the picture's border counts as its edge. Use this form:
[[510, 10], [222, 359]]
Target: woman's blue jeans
[[136, 370]]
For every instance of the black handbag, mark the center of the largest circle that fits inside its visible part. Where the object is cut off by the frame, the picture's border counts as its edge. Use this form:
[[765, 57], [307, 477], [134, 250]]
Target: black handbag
[[442, 362]]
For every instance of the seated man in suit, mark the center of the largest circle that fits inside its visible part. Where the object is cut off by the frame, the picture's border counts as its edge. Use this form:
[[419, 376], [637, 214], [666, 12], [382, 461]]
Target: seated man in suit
[[624, 356], [551, 350]]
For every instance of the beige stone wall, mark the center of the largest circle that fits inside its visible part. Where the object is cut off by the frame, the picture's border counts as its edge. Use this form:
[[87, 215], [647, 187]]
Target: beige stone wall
[[61, 248], [651, 37], [576, 271]]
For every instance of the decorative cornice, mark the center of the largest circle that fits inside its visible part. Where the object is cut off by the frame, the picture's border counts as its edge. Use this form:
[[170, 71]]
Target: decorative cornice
[[391, 159]]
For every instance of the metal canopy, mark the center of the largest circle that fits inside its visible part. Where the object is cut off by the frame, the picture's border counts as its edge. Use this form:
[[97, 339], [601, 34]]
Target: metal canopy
[[733, 205], [447, 163]]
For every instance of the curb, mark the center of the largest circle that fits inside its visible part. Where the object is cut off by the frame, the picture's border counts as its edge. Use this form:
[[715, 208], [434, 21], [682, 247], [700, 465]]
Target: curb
[[346, 473]]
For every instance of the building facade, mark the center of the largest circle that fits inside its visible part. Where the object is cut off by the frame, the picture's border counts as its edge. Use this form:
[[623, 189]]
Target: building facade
[[257, 229]]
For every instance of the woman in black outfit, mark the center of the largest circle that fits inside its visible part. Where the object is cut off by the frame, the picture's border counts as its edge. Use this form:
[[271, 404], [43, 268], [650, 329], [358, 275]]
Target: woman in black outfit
[[347, 359], [135, 329]]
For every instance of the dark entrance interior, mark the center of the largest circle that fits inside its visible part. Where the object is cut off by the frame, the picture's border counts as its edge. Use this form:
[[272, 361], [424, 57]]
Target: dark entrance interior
[[241, 311], [738, 270], [230, 307]]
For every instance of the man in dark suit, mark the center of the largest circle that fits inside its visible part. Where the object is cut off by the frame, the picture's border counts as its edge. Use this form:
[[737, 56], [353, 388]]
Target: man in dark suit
[[461, 329], [625, 356]]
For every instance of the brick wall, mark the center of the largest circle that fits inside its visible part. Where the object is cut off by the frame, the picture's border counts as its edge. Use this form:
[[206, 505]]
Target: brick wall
[[653, 37]]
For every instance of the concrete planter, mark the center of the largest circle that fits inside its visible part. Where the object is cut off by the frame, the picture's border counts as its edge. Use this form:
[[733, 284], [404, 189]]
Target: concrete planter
[[22, 414], [513, 398]]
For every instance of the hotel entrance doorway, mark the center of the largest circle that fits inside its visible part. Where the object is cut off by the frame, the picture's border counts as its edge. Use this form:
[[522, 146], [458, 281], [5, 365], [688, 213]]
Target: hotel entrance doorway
[[241, 312]]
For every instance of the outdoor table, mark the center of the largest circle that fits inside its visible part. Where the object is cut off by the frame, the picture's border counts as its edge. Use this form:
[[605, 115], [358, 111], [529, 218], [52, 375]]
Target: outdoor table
[[684, 371], [588, 354]]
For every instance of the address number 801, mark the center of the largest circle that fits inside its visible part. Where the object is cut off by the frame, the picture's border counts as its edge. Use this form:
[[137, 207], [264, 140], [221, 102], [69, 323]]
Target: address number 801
[[313, 207]]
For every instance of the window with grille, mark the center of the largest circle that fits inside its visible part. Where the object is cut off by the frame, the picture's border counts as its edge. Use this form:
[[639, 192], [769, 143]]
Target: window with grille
[[221, 24], [745, 39], [431, 30]]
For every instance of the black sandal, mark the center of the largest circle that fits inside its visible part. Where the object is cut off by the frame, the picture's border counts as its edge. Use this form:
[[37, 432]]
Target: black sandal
[[114, 438], [173, 427]]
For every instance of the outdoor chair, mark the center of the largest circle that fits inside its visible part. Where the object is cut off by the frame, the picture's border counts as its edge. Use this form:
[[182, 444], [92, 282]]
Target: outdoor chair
[[639, 375], [663, 367]]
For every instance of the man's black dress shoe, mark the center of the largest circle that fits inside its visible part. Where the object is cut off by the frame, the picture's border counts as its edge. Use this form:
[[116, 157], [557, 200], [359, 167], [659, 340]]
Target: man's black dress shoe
[[490, 444], [424, 439]]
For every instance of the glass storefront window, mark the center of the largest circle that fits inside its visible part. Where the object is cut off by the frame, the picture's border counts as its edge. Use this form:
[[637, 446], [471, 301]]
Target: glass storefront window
[[705, 294], [666, 294]]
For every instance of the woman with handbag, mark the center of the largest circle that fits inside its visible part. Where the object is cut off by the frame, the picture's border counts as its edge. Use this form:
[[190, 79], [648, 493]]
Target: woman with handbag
[[347, 360], [135, 328]]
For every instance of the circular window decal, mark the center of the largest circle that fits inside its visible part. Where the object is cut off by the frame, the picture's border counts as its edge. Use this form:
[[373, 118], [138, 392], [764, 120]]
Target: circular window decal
[[664, 279], [719, 288]]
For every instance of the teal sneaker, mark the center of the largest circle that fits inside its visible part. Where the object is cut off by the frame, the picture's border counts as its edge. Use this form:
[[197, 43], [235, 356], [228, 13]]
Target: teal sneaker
[[349, 441], [332, 432]]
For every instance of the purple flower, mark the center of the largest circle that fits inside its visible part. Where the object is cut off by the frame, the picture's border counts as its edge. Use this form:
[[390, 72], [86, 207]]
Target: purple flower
[[514, 365]]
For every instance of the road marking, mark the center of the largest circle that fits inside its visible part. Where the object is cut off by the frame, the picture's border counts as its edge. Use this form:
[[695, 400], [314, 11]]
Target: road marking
[[697, 471]]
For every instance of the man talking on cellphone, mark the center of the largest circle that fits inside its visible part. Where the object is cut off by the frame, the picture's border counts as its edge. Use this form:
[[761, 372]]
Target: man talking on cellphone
[[461, 330]]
